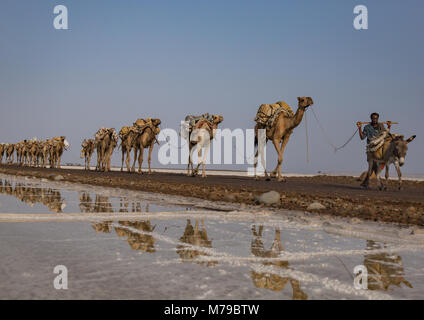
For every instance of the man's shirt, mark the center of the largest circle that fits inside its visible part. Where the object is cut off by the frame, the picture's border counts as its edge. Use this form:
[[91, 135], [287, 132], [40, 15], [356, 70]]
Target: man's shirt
[[370, 131]]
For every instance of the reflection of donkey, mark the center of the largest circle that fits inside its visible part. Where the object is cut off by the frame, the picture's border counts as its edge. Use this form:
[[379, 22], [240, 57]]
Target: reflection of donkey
[[393, 150], [384, 270], [267, 280]]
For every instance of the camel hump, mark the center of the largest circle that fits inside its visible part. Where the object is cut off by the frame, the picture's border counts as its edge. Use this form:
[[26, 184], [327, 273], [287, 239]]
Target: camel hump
[[268, 113], [124, 132], [286, 107], [141, 122]]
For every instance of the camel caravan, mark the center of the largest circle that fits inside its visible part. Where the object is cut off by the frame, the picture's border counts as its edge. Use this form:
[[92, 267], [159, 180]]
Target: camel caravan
[[34, 152], [274, 122], [141, 135]]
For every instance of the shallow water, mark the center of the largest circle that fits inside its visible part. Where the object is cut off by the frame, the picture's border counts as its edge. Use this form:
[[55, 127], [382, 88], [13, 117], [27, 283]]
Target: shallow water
[[170, 249]]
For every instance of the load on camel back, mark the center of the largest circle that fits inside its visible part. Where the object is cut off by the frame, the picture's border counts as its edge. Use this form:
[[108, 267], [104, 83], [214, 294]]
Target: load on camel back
[[192, 122], [138, 127], [267, 113], [142, 134]]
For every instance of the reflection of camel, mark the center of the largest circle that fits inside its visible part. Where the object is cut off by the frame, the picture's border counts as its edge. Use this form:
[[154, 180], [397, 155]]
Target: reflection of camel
[[138, 241], [51, 198], [85, 202], [124, 206], [384, 269], [272, 281], [195, 237], [102, 227], [102, 204]]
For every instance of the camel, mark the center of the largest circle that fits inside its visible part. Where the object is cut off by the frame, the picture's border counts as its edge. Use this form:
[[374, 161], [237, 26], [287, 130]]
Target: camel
[[106, 141], [1, 152], [200, 137], [18, 149], [43, 151], [393, 150], [10, 148], [280, 133], [145, 138], [143, 240], [57, 146], [87, 150], [32, 152], [272, 281], [128, 137]]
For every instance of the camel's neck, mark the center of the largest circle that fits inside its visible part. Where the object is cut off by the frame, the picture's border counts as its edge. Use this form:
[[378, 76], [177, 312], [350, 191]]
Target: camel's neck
[[297, 119]]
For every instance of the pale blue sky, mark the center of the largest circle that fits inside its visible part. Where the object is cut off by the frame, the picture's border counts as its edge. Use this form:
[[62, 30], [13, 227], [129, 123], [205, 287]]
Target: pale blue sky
[[121, 60]]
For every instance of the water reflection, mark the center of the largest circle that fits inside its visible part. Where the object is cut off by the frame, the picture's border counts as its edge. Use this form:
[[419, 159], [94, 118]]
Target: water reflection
[[195, 237], [141, 241], [102, 203], [49, 197], [272, 281], [384, 269]]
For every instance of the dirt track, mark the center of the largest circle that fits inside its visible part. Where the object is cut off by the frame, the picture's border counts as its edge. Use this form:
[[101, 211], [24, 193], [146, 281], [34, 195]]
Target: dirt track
[[341, 196]]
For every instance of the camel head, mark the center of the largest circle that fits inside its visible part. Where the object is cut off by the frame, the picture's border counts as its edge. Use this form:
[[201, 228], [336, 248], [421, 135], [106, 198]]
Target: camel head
[[305, 102], [66, 144], [217, 119], [156, 122]]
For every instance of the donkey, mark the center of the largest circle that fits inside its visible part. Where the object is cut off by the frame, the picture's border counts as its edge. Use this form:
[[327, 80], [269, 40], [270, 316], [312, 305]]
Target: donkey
[[394, 151]]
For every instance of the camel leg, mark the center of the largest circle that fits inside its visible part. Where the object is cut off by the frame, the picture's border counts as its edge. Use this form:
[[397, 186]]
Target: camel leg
[[88, 161], [255, 164], [122, 159], [399, 175], [280, 154], [128, 159], [204, 160], [135, 159], [189, 159], [140, 160], [199, 157], [98, 161], [190, 162], [280, 159], [149, 160]]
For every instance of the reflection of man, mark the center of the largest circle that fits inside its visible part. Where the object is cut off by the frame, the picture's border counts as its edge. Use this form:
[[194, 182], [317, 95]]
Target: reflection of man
[[372, 129], [384, 269]]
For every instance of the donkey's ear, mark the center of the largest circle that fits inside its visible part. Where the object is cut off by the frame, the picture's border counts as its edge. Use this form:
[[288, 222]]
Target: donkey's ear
[[411, 139]]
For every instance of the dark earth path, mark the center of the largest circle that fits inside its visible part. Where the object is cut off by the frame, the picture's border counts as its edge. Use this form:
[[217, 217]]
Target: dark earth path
[[340, 195]]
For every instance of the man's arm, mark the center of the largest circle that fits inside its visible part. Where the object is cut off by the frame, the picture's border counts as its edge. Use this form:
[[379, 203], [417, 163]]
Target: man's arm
[[361, 133]]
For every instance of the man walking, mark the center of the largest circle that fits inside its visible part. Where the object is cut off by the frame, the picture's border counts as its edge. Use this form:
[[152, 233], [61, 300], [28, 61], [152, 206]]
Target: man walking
[[371, 130]]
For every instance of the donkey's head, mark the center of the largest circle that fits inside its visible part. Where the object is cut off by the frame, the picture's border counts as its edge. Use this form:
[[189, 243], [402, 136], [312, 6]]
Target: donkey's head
[[400, 148]]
